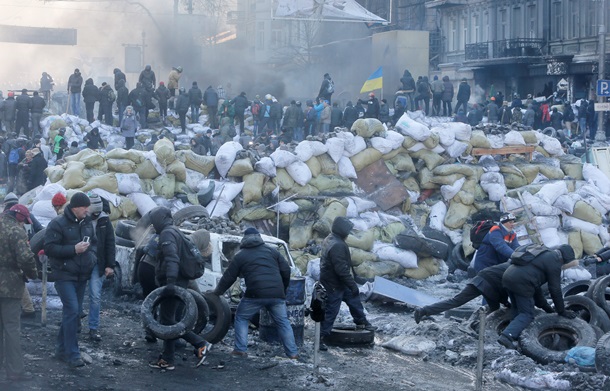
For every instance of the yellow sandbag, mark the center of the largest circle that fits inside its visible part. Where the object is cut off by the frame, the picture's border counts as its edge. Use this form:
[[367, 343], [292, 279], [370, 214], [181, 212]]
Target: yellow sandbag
[[514, 181], [529, 136], [425, 179], [300, 233], [448, 169], [146, 170], [334, 209], [457, 214], [432, 159], [393, 153], [590, 242], [165, 185], [201, 164], [426, 267], [165, 152], [363, 240], [107, 182], [73, 175], [479, 140], [389, 232], [541, 150], [283, 179], [390, 167], [314, 166], [403, 162], [54, 173], [115, 213], [360, 256], [432, 141], [253, 213], [327, 165], [331, 184], [573, 170], [362, 128], [466, 243], [301, 259], [124, 166], [530, 171], [446, 179], [551, 172], [131, 154], [127, 208], [388, 269], [409, 142], [241, 167], [183, 188], [268, 187], [253, 187], [88, 157], [364, 158], [306, 191], [58, 124], [178, 169], [586, 212], [464, 197], [411, 184], [575, 242], [147, 186]]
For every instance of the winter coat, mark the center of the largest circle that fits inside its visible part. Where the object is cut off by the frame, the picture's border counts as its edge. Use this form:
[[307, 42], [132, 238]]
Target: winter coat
[[325, 115], [129, 125], [350, 115], [447, 91], [210, 97], [195, 96], [147, 77], [408, 83], [136, 98], [75, 83], [37, 176], [497, 247], [463, 94], [492, 112], [94, 139], [529, 116], [162, 94], [106, 98], [275, 111], [118, 76], [517, 115], [324, 94], [335, 259], [170, 247], [46, 82], [437, 87], [91, 93], [122, 95], [525, 279], [266, 272], [106, 244], [372, 108], [8, 108], [384, 113], [23, 102], [62, 234], [241, 103], [38, 104], [173, 79], [423, 89], [505, 115], [556, 119], [16, 258], [336, 116], [291, 116]]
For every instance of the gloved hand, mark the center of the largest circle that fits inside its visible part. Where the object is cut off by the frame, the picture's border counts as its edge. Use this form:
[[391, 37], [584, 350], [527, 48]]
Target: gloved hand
[[568, 314], [355, 291], [548, 309], [169, 290]]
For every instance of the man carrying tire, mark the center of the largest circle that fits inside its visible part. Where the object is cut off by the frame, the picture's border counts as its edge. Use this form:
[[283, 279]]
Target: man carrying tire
[[267, 275], [168, 275], [498, 244], [336, 276], [533, 266]]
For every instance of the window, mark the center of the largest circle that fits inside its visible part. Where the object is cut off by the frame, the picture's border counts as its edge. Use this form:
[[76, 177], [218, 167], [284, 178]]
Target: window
[[503, 24], [532, 26], [573, 22], [517, 25], [276, 38], [485, 35], [591, 23], [453, 38], [261, 36], [476, 29], [556, 18], [464, 35]]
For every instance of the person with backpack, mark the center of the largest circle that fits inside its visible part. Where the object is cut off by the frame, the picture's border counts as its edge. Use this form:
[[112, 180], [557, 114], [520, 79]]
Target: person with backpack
[[240, 103], [498, 244], [168, 274], [327, 88], [107, 98], [531, 267], [195, 98], [15, 156], [267, 275]]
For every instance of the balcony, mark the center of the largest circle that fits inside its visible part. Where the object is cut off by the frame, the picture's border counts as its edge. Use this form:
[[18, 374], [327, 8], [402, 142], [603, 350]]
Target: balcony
[[504, 49]]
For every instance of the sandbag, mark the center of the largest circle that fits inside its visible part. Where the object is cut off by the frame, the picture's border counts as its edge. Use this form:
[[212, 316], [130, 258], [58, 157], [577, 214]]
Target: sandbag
[[305, 191], [450, 190], [551, 191], [266, 166], [426, 267], [586, 212], [353, 146], [305, 150], [411, 128], [314, 166], [571, 223], [388, 233], [432, 141], [164, 185], [361, 239], [147, 170], [529, 136], [178, 169], [403, 162], [252, 213], [447, 179], [590, 242], [346, 168], [479, 140], [124, 166], [226, 156], [195, 162], [594, 175], [335, 147], [409, 142], [144, 203], [299, 172], [431, 159], [457, 215], [530, 171], [253, 187], [457, 149], [300, 233], [464, 197], [88, 157], [425, 179], [382, 145], [387, 269], [164, 150], [327, 165], [331, 184], [514, 138], [240, 168], [54, 173], [575, 241], [283, 179], [551, 172], [361, 128], [282, 158], [73, 175], [365, 158], [389, 252], [360, 256], [331, 211], [107, 182], [120, 153], [375, 126]]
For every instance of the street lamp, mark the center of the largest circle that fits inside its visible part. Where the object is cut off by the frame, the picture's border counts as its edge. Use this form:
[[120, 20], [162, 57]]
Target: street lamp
[[601, 69]]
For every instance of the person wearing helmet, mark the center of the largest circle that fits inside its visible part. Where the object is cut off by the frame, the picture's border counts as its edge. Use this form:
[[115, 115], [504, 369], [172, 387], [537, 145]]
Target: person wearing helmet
[[499, 243], [173, 82], [372, 107]]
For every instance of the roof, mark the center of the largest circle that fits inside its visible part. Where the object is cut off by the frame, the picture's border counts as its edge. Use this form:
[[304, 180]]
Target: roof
[[327, 10]]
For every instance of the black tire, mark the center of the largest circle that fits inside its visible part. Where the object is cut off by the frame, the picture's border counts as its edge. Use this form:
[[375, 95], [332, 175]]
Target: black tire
[[498, 320], [117, 287], [189, 212], [602, 355], [550, 131], [124, 242], [558, 331], [576, 288], [421, 245], [458, 259], [189, 315], [588, 311], [203, 311], [123, 229], [205, 196], [139, 234], [598, 292], [342, 335], [432, 233], [219, 319], [37, 244]]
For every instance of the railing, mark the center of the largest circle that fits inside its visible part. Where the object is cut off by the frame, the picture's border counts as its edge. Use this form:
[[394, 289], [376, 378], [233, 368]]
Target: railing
[[507, 48]]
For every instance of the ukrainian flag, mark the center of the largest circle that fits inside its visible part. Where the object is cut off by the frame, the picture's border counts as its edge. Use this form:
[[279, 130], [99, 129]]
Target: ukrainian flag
[[374, 82]]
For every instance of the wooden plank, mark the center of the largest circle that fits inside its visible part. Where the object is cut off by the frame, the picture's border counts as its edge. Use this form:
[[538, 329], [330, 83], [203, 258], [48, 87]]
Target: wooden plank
[[503, 150]]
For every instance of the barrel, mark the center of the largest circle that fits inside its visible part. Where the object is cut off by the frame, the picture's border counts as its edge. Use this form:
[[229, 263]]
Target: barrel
[[295, 307]]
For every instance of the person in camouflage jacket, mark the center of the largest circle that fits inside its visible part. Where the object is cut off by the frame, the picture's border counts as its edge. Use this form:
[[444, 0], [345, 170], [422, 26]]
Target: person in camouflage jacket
[[16, 263]]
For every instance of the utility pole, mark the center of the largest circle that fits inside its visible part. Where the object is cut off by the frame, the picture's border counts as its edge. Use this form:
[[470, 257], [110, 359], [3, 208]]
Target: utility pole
[[601, 68]]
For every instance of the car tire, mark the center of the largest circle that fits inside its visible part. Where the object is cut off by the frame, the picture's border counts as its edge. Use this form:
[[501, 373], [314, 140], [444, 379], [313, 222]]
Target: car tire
[[219, 319], [117, 280], [602, 355], [549, 131], [186, 323], [576, 288], [498, 320], [565, 334], [190, 212], [421, 245], [458, 259], [119, 241], [346, 335], [588, 311], [139, 234], [123, 229], [597, 293], [203, 311]]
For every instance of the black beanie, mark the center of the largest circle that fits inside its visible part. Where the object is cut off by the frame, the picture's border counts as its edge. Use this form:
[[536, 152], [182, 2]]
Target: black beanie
[[79, 199], [251, 231], [567, 253]]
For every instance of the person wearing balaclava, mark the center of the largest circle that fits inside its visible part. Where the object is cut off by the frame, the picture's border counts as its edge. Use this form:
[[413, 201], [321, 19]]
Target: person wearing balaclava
[[529, 270], [336, 276]]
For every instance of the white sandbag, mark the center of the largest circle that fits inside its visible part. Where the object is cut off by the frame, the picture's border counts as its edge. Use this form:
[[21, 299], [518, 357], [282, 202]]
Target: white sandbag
[[381, 144], [449, 191], [346, 168], [493, 184], [395, 138], [551, 191], [318, 148], [281, 158], [437, 215], [389, 252], [313, 269], [194, 178], [128, 183], [48, 191], [596, 177], [414, 129], [351, 211], [416, 147], [514, 138], [362, 204], [287, 207], [566, 202], [462, 131], [335, 147], [446, 136], [552, 146], [604, 235], [226, 156], [356, 145], [366, 221], [456, 149], [144, 202], [572, 223], [542, 222], [576, 274], [549, 237], [304, 151], [112, 198], [510, 204], [496, 140], [591, 191], [220, 207], [299, 172], [229, 190], [44, 211], [538, 206], [266, 166]]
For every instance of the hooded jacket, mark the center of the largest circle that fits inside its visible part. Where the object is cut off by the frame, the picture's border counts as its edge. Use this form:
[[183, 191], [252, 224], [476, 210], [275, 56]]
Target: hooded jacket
[[122, 94], [147, 77], [210, 97], [447, 90], [16, 258], [118, 76], [106, 244], [195, 96], [75, 83], [266, 272], [463, 94], [336, 261], [350, 115], [37, 176], [497, 247], [170, 246], [94, 139], [91, 93], [408, 83]]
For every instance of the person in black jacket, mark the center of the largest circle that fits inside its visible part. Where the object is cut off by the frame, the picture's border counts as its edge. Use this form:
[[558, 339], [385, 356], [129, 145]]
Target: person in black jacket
[[336, 277], [107, 98], [104, 267], [267, 276], [195, 99], [37, 166], [372, 107], [38, 104], [463, 95], [122, 99], [75, 84], [488, 282], [408, 88], [182, 107], [327, 88], [210, 99], [148, 78], [91, 94], [94, 139], [524, 277], [350, 115], [240, 103], [23, 105], [118, 76], [162, 95], [168, 275], [70, 244]]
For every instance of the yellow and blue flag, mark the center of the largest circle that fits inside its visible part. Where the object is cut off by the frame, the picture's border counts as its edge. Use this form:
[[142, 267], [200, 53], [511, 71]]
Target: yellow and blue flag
[[374, 82]]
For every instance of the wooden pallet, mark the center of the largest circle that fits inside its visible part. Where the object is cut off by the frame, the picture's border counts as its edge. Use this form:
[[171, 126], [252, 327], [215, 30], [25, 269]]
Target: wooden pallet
[[524, 149]]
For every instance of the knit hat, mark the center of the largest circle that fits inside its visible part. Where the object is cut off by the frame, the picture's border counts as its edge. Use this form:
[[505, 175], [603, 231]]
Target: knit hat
[[96, 204], [567, 252], [251, 231], [58, 200], [10, 197], [79, 200], [21, 213]]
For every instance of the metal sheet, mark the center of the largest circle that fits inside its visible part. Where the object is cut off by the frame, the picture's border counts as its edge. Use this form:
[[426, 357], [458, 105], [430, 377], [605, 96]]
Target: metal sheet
[[392, 290], [382, 187]]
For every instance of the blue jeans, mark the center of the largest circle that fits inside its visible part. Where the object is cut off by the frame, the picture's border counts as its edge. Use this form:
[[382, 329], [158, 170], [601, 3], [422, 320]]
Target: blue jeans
[[525, 313], [333, 304], [75, 103], [325, 128], [194, 114], [71, 294], [298, 134], [248, 307], [95, 296], [582, 125]]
